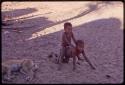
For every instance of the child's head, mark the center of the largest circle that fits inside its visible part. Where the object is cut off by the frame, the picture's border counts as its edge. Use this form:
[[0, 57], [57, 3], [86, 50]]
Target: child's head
[[80, 45], [67, 27]]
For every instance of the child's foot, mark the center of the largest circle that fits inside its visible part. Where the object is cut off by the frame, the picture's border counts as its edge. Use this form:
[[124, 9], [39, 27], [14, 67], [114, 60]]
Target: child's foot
[[80, 59]]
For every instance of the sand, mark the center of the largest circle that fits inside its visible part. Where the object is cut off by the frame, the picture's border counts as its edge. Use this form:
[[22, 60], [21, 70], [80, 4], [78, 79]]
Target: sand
[[99, 24]]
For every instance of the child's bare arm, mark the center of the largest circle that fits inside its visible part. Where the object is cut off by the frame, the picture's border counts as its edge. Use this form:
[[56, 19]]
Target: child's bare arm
[[73, 38], [83, 53]]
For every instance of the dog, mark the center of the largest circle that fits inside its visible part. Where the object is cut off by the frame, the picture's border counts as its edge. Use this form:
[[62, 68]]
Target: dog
[[25, 66]]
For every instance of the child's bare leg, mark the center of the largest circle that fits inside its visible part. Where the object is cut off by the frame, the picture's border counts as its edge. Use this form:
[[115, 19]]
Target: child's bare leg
[[74, 62], [61, 56]]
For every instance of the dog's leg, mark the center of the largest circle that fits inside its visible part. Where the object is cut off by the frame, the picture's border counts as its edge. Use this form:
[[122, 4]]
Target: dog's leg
[[9, 75]]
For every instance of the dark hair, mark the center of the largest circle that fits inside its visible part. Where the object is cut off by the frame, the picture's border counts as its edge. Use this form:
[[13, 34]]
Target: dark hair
[[67, 24], [79, 42]]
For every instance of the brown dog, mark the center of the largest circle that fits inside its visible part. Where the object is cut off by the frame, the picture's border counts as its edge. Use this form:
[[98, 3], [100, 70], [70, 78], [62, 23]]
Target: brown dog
[[74, 52]]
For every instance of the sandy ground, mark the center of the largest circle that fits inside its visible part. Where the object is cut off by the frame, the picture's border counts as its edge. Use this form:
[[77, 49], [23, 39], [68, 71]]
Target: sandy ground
[[99, 24]]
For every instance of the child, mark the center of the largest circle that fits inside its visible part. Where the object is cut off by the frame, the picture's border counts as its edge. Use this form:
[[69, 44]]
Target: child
[[66, 39]]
